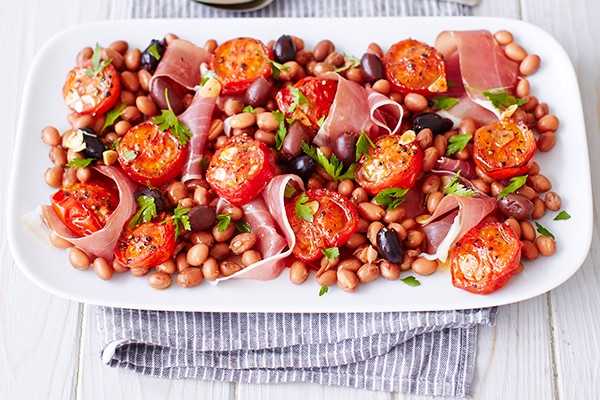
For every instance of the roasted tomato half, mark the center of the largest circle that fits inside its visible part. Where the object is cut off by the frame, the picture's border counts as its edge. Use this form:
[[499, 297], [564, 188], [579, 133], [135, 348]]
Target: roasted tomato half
[[504, 149], [485, 258], [328, 220], [240, 169], [413, 66], [319, 95], [146, 245], [394, 162], [94, 94], [239, 62], [149, 155], [85, 207]]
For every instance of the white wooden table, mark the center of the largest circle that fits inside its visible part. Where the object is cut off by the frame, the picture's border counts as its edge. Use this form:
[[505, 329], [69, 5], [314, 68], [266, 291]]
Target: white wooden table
[[543, 348]]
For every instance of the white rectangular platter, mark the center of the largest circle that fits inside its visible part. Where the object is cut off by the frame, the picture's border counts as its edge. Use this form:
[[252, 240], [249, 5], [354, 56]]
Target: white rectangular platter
[[566, 165]]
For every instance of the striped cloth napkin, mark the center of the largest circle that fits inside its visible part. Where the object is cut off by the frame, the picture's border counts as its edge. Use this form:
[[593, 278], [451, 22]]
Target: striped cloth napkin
[[426, 353]]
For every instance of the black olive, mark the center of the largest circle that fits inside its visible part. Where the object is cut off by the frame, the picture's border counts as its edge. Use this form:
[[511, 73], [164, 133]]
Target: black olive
[[292, 144], [303, 166], [201, 218], [436, 123], [371, 67], [259, 92], [345, 148], [284, 49], [159, 199], [149, 60], [389, 246], [517, 206], [93, 146]]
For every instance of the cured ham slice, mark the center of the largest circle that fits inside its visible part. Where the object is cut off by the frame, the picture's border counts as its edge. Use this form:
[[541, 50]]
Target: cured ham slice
[[466, 168], [471, 211], [384, 112], [100, 243], [266, 217], [474, 60], [178, 70]]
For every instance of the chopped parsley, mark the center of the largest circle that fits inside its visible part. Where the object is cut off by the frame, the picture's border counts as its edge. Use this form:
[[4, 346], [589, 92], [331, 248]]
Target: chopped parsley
[[145, 213], [181, 218], [168, 120], [391, 197], [351, 62], [302, 209], [543, 231], [515, 183], [297, 99], [457, 188], [320, 121], [249, 109], [289, 191], [411, 281], [242, 226], [561, 216], [323, 290], [97, 65], [332, 165], [457, 143], [331, 253], [224, 221], [276, 67], [362, 145], [499, 99], [80, 162], [444, 102], [281, 131], [112, 115], [154, 51]]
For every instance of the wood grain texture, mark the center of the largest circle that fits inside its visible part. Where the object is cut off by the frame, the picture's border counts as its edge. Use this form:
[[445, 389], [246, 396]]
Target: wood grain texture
[[575, 304]]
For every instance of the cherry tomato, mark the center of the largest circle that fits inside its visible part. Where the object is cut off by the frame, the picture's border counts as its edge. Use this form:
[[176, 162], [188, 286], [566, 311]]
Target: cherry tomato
[[485, 258], [334, 220], [413, 66], [240, 169], [146, 245], [91, 94], [394, 162], [319, 93], [85, 207], [504, 149], [149, 155], [239, 62]]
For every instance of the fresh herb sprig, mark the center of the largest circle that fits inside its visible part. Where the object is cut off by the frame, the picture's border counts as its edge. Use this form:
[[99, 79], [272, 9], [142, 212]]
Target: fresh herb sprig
[[350, 62], [411, 281], [181, 219], [515, 183], [363, 144], [332, 165], [457, 143], [97, 64], [79, 162], [112, 115], [444, 102], [457, 188], [561, 216], [145, 213], [168, 120], [276, 68], [281, 130], [500, 100], [302, 209], [391, 197], [323, 290], [331, 252], [543, 231], [297, 98]]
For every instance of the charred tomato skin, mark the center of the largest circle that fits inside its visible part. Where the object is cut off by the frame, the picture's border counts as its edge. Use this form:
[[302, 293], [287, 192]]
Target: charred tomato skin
[[146, 245], [93, 95], [394, 162], [413, 66], [334, 222], [320, 93], [485, 258], [239, 62], [240, 169], [504, 149], [149, 155], [85, 207]]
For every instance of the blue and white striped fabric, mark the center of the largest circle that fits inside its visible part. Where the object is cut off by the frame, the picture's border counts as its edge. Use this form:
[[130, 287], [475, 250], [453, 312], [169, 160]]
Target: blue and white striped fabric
[[427, 353]]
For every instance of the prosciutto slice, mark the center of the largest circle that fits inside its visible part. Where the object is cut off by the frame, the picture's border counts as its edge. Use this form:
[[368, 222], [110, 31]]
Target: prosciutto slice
[[179, 70], [471, 211], [384, 112], [197, 117], [101, 243], [474, 60], [266, 217]]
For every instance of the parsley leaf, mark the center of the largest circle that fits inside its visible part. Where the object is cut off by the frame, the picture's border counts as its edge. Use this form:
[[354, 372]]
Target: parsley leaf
[[168, 120], [501, 100], [97, 66], [411, 281], [303, 211], [276, 67], [154, 51], [80, 162], [391, 197], [112, 115], [444, 102], [289, 191], [249, 108], [457, 142], [242, 226], [331, 252], [180, 218], [320, 121], [457, 188], [145, 213], [351, 62], [281, 131], [224, 220], [332, 165], [324, 289], [210, 74], [543, 231], [362, 145], [115, 144], [561, 216], [515, 183], [298, 98]]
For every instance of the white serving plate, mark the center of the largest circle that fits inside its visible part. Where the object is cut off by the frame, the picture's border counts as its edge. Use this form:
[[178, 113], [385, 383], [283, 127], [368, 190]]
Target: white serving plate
[[566, 165]]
